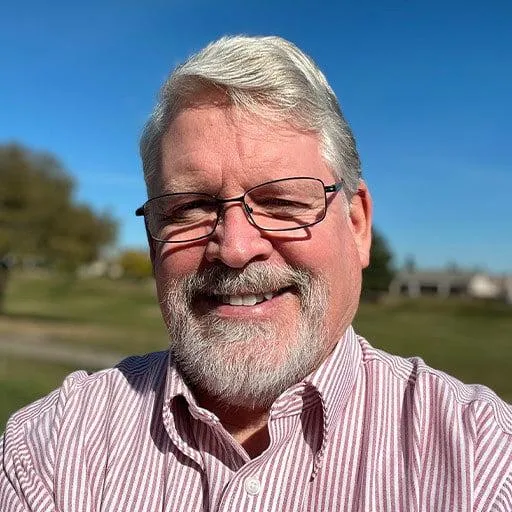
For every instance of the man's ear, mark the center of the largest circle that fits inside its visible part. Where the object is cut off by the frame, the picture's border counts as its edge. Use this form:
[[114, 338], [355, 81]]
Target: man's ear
[[361, 210]]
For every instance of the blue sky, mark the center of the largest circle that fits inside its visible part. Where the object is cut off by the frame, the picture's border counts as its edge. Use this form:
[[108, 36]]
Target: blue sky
[[426, 87]]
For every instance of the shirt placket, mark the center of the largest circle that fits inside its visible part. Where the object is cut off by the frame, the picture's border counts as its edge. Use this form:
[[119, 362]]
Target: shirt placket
[[272, 480], [222, 457]]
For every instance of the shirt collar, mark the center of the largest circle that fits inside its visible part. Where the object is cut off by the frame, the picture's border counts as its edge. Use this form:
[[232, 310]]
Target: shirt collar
[[334, 382], [335, 378], [175, 386]]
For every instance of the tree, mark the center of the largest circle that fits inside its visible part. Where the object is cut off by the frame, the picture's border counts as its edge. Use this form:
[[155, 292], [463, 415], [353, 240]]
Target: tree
[[136, 264], [379, 273], [39, 219]]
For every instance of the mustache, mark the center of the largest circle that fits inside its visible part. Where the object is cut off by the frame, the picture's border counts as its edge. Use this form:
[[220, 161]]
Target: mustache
[[256, 278]]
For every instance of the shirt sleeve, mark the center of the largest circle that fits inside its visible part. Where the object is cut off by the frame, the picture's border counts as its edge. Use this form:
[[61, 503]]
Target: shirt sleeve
[[27, 452], [503, 502], [493, 456]]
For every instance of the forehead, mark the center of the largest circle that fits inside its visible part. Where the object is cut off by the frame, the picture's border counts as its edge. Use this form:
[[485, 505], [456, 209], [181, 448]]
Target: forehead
[[216, 148]]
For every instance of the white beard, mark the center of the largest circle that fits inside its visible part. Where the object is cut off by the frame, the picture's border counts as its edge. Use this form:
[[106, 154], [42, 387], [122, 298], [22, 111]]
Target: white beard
[[244, 362]]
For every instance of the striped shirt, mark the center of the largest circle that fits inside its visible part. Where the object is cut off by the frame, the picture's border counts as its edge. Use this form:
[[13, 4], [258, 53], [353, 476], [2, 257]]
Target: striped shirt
[[367, 431]]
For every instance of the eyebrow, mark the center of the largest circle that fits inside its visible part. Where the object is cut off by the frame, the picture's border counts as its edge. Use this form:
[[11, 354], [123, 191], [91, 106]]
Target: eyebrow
[[200, 187]]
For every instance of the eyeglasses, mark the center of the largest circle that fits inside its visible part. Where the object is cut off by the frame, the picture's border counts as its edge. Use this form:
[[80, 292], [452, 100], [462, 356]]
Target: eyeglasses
[[280, 205]]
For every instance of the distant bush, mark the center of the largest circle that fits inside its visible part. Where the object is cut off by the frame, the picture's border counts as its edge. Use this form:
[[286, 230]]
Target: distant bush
[[379, 273], [136, 264]]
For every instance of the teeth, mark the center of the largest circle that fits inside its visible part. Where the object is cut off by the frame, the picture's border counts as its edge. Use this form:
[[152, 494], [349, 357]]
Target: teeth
[[249, 300], [246, 300], [236, 300]]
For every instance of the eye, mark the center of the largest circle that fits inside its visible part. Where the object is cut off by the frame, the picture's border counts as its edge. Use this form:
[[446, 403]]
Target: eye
[[280, 203], [182, 209], [196, 204], [191, 209]]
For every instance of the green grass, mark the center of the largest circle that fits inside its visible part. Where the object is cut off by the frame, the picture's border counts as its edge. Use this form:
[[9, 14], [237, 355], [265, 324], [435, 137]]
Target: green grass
[[472, 341], [23, 381]]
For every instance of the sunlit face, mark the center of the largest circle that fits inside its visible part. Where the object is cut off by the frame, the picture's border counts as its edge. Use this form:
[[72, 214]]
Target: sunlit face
[[305, 283]]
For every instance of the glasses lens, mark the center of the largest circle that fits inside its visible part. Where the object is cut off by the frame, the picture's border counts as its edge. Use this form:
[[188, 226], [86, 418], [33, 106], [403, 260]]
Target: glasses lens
[[287, 204], [181, 217]]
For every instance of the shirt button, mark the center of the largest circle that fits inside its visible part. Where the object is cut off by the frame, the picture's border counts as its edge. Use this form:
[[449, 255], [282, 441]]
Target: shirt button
[[252, 486]]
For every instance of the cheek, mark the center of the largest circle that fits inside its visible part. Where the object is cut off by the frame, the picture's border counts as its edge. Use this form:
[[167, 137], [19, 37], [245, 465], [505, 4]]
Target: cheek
[[324, 253], [177, 261], [333, 257]]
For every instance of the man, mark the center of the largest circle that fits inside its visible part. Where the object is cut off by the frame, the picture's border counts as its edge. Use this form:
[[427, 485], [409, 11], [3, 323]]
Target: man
[[259, 226]]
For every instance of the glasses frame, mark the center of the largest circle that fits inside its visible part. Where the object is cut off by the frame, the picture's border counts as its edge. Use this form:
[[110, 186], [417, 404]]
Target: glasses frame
[[141, 211]]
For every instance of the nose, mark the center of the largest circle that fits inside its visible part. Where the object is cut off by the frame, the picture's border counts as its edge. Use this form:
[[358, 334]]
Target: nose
[[236, 242]]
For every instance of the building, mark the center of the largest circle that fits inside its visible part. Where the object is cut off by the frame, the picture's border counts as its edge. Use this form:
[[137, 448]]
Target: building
[[451, 283]]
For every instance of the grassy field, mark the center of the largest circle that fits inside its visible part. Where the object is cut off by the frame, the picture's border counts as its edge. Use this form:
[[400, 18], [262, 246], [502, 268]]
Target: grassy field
[[472, 341]]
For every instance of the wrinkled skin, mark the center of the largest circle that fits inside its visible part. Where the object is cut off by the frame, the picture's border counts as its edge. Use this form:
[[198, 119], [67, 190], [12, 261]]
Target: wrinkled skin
[[218, 150]]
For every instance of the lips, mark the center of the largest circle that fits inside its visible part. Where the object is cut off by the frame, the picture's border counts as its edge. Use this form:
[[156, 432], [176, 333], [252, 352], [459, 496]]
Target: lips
[[246, 298], [247, 303], [248, 291]]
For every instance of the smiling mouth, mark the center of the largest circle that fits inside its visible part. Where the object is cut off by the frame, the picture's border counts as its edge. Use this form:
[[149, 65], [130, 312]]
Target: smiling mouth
[[247, 299]]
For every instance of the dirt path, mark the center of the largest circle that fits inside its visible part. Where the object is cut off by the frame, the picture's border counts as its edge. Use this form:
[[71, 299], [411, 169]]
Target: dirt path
[[32, 348]]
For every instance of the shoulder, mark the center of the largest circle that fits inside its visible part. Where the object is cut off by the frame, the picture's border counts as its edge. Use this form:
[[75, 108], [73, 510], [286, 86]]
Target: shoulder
[[82, 395], [435, 393], [461, 432], [75, 419]]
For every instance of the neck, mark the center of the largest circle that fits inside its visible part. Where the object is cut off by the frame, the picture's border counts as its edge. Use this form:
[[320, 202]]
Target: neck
[[248, 426]]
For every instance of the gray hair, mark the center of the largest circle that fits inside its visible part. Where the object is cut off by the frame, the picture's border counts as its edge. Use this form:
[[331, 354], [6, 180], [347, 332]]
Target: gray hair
[[259, 75]]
